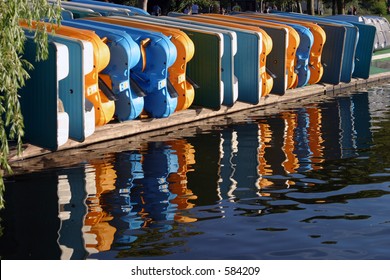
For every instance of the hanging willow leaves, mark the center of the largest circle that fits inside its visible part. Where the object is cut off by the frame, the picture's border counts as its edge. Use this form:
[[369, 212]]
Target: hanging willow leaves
[[14, 69]]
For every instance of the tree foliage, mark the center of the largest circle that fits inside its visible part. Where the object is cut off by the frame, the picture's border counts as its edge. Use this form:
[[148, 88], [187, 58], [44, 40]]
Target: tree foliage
[[169, 5], [180, 5], [143, 4], [378, 7], [14, 69], [366, 6]]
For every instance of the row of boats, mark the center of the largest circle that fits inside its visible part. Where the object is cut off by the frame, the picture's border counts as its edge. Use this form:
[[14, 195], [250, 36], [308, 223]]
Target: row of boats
[[112, 62]]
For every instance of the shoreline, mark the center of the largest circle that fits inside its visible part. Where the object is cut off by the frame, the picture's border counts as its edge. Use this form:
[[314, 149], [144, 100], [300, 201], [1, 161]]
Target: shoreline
[[113, 136]]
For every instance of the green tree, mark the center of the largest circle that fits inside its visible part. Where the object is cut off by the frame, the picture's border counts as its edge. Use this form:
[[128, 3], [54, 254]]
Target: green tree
[[143, 4], [366, 6], [379, 7], [14, 69], [171, 5], [180, 5]]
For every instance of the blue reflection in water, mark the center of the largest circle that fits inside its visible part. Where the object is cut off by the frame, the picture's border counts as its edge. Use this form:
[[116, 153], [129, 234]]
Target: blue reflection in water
[[72, 197], [153, 196], [307, 183], [246, 161], [142, 198], [362, 122], [347, 127], [119, 203]]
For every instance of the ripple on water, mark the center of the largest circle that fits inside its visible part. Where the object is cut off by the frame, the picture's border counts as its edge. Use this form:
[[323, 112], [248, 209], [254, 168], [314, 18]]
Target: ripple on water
[[379, 175], [347, 192], [314, 181]]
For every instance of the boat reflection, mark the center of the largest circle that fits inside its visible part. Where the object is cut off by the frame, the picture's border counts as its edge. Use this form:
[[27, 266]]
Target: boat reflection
[[98, 233], [72, 195], [178, 181], [132, 198]]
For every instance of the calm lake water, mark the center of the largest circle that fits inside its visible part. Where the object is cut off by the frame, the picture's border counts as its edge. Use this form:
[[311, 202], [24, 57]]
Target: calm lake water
[[311, 182]]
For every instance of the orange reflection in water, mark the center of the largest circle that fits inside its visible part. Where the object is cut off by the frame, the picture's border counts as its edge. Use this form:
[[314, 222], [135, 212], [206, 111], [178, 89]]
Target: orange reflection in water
[[96, 220], [265, 135], [178, 181], [291, 163], [315, 137]]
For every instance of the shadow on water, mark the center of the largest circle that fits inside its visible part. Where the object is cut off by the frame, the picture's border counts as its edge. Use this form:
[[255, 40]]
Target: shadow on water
[[305, 183]]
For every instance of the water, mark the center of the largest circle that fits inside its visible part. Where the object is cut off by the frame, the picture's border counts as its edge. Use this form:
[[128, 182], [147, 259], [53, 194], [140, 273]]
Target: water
[[310, 182]]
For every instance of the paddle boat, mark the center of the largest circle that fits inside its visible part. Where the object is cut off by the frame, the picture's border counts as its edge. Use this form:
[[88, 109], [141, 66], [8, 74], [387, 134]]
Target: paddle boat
[[368, 36], [339, 52], [151, 72], [250, 84], [291, 46], [315, 66], [209, 86], [46, 124], [125, 55], [177, 72], [303, 51], [102, 101]]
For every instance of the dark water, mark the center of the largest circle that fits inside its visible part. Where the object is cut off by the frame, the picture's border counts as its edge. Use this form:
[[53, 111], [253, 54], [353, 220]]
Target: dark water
[[311, 182]]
